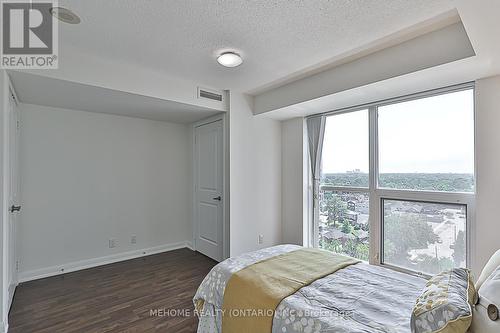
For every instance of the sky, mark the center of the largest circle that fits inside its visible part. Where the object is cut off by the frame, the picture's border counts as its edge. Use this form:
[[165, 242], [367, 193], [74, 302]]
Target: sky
[[429, 135]]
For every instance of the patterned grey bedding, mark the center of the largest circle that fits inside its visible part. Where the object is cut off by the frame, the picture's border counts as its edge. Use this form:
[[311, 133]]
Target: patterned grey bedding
[[359, 298]]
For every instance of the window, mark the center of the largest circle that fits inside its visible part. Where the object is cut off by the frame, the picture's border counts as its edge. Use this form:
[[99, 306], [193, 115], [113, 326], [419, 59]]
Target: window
[[397, 181], [345, 150], [428, 143], [344, 205], [424, 236]]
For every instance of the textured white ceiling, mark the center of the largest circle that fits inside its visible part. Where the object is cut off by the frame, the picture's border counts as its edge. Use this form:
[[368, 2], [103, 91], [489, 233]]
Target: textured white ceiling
[[275, 37]]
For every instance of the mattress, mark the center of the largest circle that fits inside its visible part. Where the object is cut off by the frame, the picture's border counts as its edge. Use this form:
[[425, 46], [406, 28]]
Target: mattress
[[358, 298]]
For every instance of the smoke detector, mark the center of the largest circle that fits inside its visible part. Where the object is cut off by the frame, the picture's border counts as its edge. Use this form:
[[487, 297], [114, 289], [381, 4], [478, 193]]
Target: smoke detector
[[64, 15]]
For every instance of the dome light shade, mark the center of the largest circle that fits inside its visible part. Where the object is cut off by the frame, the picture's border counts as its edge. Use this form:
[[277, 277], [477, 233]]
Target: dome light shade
[[229, 59]]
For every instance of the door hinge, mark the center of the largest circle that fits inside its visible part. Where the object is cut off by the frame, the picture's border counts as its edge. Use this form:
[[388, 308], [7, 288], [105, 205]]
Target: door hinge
[[18, 124], [15, 208], [17, 265]]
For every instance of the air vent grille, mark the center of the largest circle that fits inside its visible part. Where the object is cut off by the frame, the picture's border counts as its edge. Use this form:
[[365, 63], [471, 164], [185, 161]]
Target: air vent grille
[[203, 93]]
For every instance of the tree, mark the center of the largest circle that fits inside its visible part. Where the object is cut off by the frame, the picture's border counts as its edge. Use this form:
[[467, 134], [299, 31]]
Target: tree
[[459, 249], [333, 245], [346, 227], [336, 209], [403, 233], [433, 265], [356, 249], [351, 247]]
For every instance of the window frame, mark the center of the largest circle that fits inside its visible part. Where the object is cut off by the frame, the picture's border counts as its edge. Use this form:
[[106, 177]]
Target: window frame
[[378, 194]]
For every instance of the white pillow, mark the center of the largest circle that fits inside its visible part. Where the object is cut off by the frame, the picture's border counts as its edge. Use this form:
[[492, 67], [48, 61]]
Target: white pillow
[[489, 293], [488, 269]]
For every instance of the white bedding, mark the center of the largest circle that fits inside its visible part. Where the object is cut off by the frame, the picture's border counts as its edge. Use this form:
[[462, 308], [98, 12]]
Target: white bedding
[[359, 298]]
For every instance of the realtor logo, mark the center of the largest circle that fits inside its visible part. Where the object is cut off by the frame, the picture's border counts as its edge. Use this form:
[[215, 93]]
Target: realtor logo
[[29, 35]]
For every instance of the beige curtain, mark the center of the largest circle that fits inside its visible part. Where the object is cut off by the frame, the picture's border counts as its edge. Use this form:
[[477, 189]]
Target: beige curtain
[[315, 134]]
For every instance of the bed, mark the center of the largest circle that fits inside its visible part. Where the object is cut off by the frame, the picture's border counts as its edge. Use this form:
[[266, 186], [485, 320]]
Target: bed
[[380, 300], [356, 298]]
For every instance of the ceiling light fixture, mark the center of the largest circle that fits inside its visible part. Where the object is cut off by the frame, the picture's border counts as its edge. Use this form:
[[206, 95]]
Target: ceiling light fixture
[[229, 59], [64, 15]]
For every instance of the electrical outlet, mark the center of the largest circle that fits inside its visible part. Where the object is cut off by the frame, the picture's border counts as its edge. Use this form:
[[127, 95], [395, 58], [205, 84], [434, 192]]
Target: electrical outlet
[[112, 243], [261, 239], [133, 239]]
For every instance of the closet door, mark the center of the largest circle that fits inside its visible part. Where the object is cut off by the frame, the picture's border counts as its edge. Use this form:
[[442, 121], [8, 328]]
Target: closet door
[[14, 198], [208, 189]]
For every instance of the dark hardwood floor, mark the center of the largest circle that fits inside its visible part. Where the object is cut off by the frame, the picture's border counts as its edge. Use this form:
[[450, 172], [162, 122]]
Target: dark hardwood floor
[[114, 298]]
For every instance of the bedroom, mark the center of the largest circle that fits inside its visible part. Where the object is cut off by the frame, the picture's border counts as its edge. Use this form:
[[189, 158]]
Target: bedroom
[[158, 138]]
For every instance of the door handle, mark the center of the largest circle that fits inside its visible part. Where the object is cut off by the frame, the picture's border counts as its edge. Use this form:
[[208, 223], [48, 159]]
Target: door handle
[[217, 198], [14, 208]]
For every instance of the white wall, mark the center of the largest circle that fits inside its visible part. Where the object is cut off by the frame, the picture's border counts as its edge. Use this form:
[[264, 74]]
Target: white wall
[[294, 181], [3, 197], [487, 225], [87, 177], [255, 178]]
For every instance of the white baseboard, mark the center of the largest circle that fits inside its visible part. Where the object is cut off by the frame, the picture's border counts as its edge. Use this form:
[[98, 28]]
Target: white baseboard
[[4, 326], [12, 290], [89, 263]]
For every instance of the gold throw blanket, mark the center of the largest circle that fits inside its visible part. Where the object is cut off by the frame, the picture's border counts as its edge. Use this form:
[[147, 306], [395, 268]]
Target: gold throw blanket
[[253, 293]]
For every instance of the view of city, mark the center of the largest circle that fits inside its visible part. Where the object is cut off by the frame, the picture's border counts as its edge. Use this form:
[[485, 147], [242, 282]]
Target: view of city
[[343, 223], [420, 236], [448, 182]]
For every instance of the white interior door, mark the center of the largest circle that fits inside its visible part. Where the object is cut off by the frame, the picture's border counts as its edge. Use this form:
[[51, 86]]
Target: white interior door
[[208, 189], [14, 200]]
